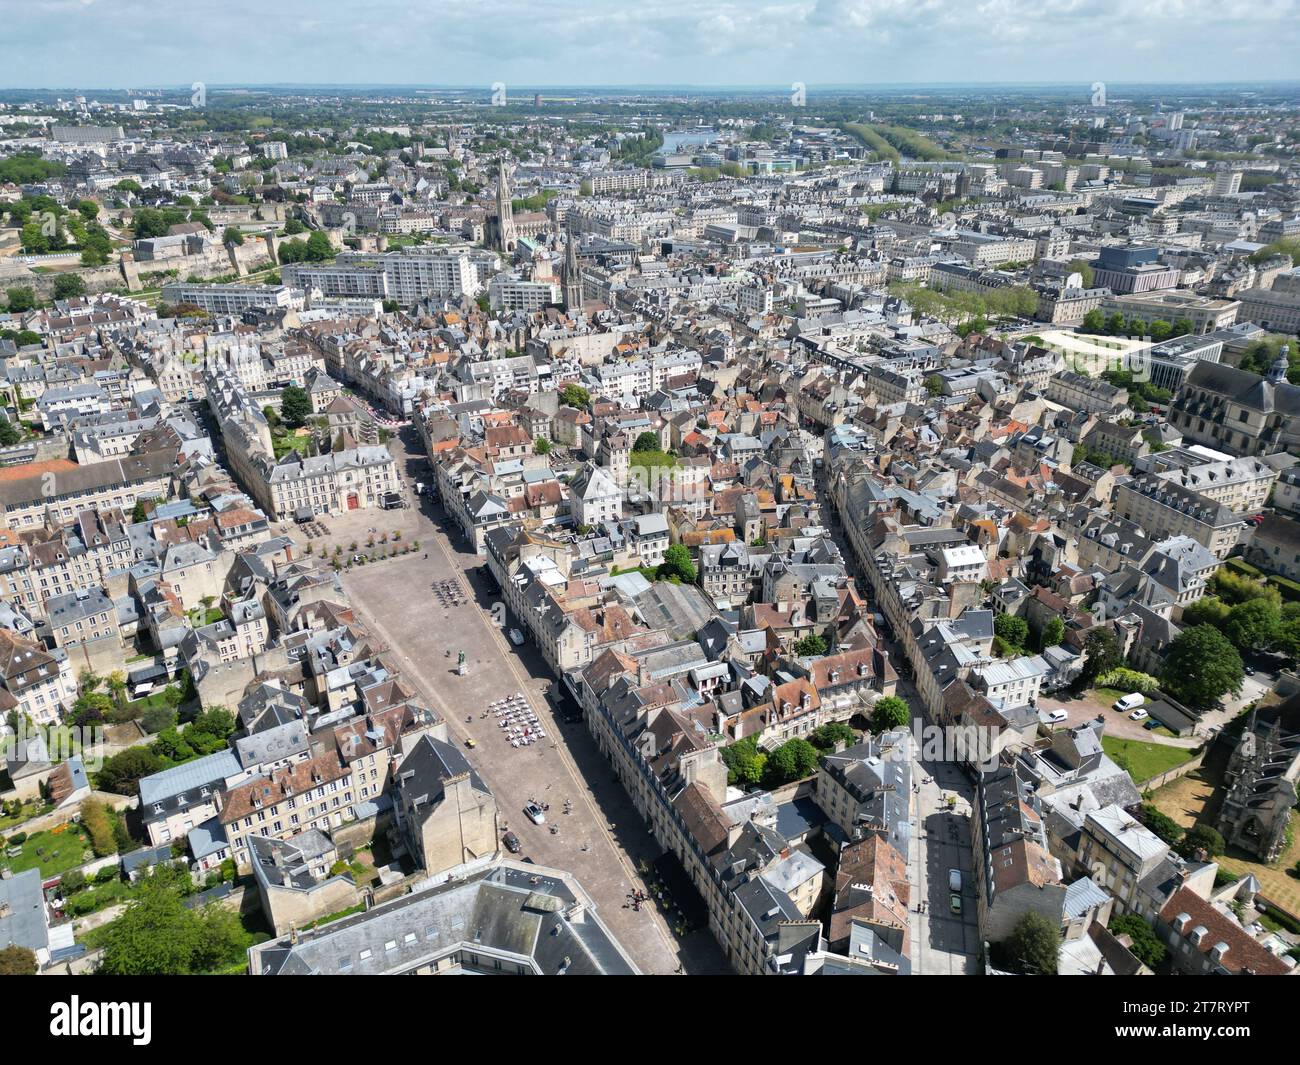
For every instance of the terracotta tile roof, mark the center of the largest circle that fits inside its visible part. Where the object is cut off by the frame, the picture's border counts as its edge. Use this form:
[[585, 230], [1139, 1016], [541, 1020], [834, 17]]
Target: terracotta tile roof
[[1244, 952]]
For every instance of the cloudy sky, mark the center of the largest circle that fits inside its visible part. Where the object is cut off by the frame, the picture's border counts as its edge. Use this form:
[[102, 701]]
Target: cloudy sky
[[147, 43]]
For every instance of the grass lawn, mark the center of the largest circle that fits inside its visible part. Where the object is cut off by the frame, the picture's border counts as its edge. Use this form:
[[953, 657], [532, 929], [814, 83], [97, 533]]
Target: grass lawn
[[1196, 798], [28, 811], [1145, 760], [283, 443], [52, 852], [152, 701]]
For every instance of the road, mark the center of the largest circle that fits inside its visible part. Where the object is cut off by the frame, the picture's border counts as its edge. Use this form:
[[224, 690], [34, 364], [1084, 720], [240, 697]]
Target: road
[[603, 841], [942, 943]]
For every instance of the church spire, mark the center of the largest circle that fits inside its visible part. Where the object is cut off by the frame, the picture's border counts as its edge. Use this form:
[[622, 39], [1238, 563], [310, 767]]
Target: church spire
[[506, 240], [571, 276]]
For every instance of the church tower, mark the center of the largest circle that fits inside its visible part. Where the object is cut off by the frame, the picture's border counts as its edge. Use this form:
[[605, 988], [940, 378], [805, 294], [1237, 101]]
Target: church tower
[[506, 239], [571, 276], [1278, 371]]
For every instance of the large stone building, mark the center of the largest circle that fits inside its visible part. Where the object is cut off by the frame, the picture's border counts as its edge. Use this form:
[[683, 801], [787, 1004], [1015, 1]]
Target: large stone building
[[1261, 781], [501, 917], [447, 812], [1239, 411]]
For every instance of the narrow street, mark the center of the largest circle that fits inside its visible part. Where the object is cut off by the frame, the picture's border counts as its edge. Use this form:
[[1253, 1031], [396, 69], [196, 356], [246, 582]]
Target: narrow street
[[943, 943]]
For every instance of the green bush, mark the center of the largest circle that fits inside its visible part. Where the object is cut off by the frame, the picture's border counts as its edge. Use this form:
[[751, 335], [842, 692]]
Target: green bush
[[1160, 823], [1129, 680], [96, 822]]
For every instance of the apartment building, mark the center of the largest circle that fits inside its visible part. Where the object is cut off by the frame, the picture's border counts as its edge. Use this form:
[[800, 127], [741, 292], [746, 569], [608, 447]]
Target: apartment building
[[1080, 392], [1165, 508], [41, 683], [426, 271], [64, 489], [234, 299]]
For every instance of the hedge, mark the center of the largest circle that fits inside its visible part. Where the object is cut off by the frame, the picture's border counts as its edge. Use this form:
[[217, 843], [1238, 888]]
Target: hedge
[[96, 822], [1290, 589], [1128, 680]]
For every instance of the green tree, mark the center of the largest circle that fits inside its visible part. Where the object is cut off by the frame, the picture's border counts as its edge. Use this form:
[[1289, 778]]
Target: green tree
[[1012, 630], [1253, 624], [1234, 588], [292, 251], [889, 712], [1081, 266], [1159, 330], [21, 298], [793, 760], [647, 441], [69, 286], [319, 248], [157, 718], [1208, 610], [1144, 944], [295, 406], [8, 434], [1034, 945], [1202, 666], [1053, 633], [744, 762], [810, 646], [572, 395], [1102, 655], [1094, 322], [541, 446], [677, 564], [121, 773], [157, 935], [825, 737], [232, 236], [1202, 837], [90, 708]]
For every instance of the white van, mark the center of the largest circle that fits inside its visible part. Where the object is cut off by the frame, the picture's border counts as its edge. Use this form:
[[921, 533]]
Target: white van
[[1130, 702], [954, 880]]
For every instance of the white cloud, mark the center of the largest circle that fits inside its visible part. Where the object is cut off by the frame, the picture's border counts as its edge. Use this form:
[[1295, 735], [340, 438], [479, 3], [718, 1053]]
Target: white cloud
[[66, 43]]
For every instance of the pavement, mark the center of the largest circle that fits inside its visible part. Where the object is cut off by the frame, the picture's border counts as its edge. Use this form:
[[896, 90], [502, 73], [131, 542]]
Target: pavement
[[603, 841], [1088, 708]]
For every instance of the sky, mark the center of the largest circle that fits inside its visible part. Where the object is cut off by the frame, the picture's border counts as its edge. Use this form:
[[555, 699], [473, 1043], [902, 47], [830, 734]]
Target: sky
[[147, 43]]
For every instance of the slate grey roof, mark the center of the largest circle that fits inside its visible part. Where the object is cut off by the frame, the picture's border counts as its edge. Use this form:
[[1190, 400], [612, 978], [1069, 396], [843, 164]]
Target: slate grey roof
[[24, 925], [523, 914]]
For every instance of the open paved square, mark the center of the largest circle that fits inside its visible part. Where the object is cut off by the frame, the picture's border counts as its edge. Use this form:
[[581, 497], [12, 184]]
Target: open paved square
[[602, 841]]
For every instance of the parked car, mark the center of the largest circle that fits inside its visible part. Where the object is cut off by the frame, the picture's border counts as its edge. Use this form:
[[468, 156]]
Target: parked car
[[954, 903], [516, 637], [535, 813], [512, 843], [954, 880], [1137, 714], [469, 742], [1057, 716], [1129, 702]]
